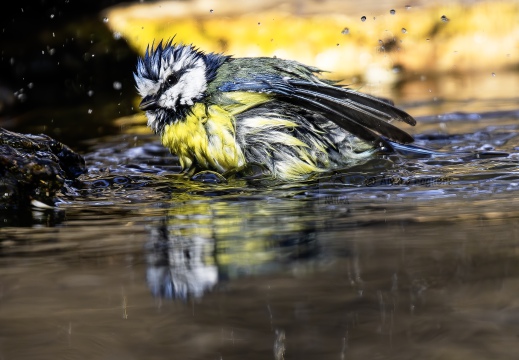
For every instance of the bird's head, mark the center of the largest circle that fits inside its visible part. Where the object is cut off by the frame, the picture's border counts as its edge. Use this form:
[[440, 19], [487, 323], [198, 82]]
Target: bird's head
[[171, 78]]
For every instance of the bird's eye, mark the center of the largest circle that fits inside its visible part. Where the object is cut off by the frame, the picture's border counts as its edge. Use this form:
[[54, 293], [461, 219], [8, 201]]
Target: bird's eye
[[172, 79]]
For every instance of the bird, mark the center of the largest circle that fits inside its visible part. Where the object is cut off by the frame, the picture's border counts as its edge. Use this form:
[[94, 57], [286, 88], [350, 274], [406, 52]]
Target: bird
[[220, 113]]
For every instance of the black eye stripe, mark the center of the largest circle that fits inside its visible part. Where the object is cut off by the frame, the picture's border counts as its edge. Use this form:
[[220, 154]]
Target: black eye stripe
[[173, 79]]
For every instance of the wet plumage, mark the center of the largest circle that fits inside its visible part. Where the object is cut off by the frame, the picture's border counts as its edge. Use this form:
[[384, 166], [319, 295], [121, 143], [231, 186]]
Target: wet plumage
[[220, 113]]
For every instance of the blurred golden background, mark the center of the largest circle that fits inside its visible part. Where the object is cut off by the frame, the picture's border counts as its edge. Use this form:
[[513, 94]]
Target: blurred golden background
[[378, 42]]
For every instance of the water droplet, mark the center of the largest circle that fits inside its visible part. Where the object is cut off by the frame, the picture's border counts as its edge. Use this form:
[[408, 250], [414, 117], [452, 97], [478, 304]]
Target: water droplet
[[493, 74], [90, 111], [345, 31], [408, 7], [380, 42], [117, 85], [30, 85], [117, 35], [90, 93], [52, 16], [363, 18], [105, 20], [445, 18], [52, 51], [392, 11], [211, 11], [404, 30]]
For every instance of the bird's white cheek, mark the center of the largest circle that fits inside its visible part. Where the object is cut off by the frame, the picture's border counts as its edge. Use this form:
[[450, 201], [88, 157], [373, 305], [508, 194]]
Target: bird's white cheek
[[169, 98], [193, 85], [168, 103]]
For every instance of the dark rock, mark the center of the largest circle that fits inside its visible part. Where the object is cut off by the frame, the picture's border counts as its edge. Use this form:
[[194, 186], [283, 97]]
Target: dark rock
[[34, 167]]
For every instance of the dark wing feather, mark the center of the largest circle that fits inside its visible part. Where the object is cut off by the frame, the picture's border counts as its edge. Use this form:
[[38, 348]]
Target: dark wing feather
[[355, 112], [373, 105], [362, 115], [337, 117]]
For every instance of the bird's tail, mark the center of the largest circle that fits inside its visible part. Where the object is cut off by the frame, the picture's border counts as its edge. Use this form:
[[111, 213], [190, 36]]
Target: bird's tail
[[411, 150]]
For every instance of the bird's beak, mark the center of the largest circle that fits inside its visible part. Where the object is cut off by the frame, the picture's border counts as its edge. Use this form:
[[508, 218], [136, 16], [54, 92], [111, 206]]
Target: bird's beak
[[148, 103]]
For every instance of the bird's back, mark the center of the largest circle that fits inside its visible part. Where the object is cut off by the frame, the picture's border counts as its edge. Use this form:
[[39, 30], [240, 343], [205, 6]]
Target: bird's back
[[291, 137]]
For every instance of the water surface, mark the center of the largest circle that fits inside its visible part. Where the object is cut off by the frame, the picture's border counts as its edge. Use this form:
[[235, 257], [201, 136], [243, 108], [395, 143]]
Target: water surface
[[401, 258]]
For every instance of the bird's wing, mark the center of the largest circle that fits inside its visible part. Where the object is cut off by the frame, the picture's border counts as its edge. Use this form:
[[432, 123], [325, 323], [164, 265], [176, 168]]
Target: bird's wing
[[362, 115]]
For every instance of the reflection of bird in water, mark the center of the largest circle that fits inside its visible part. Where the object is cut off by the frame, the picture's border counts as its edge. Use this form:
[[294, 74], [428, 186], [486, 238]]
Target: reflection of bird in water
[[221, 113], [201, 241], [176, 267]]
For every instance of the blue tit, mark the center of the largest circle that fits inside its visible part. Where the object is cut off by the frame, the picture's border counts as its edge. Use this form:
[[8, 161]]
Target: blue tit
[[221, 113]]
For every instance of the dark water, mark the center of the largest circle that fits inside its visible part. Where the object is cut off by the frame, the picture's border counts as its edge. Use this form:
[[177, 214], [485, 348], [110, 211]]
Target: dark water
[[401, 258]]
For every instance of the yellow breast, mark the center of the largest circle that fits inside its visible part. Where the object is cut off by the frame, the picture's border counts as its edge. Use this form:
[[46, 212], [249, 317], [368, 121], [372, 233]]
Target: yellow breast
[[204, 139]]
